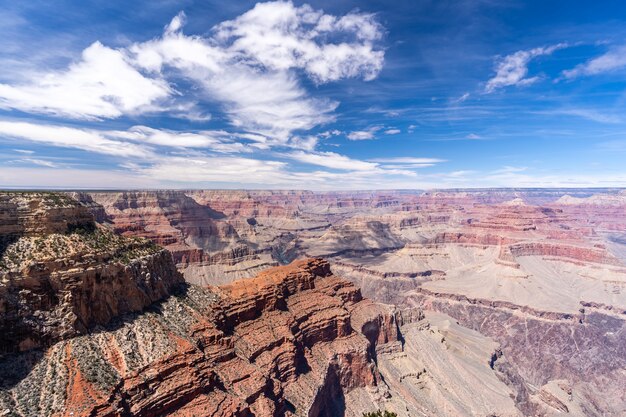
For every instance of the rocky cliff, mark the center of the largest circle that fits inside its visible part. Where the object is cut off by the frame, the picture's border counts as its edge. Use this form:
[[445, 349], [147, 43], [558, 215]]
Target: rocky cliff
[[61, 274], [292, 341]]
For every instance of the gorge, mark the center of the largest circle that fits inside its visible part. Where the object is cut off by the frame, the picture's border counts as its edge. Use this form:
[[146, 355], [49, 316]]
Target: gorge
[[276, 303]]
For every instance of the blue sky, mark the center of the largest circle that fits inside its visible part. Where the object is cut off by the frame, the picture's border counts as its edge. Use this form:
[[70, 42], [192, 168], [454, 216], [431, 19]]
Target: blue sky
[[316, 95]]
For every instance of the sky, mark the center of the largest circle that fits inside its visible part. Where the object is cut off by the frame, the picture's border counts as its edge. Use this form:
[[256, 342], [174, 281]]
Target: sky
[[319, 95]]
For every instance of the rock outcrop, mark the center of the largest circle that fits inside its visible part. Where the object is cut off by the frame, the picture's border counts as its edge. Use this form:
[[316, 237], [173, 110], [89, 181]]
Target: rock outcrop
[[292, 341], [61, 274]]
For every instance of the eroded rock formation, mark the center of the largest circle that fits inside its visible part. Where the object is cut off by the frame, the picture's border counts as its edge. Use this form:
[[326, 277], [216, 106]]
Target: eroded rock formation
[[292, 341], [61, 274], [505, 302]]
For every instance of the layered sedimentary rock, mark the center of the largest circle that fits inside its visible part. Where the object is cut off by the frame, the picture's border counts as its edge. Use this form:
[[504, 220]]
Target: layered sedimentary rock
[[61, 274], [295, 340], [274, 345], [526, 257], [169, 218]]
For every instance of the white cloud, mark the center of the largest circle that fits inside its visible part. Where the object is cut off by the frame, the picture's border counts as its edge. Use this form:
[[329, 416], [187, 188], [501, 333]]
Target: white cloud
[[279, 36], [217, 169], [103, 84], [473, 136], [39, 162], [332, 160], [461, 99], [24, 151], [88, 140], [251, 64], [361, 135], [513, 69], [330, 133], [392, 131], [271, 104], [367, 134], [136, 142], [307, 143], [407, 162], [216, 140], [614, 59]]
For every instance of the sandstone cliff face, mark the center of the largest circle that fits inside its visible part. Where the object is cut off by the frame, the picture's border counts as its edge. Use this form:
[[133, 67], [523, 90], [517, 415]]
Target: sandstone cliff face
[[169, 218], [60, 274], [32, 214], [293, 341]]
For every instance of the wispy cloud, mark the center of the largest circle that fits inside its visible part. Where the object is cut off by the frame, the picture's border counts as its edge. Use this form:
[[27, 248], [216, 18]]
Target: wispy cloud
[[332, 160], [584, 113], [513, 69], [367, 134], [407, 162], [251, 65], [392, 131], [210, 140], [67, 137], [613, 60], [461, 99], [39, 162]]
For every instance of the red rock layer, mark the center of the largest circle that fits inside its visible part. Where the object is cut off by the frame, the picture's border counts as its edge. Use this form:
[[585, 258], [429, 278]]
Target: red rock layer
[[291, 341], [165, 217]]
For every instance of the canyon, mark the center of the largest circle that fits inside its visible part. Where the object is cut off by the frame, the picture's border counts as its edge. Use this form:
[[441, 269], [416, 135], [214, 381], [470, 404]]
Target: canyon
[[275, 303]]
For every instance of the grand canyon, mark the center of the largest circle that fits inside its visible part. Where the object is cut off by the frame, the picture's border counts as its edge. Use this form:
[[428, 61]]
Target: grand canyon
[[312, 208], [484, 302]]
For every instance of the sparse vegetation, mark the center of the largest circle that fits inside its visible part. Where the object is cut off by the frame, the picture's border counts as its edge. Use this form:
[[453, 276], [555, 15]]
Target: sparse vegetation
[[92, 364], [380, 414], [99, 243]]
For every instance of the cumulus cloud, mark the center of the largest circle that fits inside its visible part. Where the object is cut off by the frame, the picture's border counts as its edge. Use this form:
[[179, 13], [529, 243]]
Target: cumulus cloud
[[513, 69], [614, 59], [251, 66], [102, 84], [281, 36]]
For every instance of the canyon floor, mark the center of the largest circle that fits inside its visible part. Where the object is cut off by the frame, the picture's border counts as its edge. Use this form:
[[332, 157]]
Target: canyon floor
[[276, 303]]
